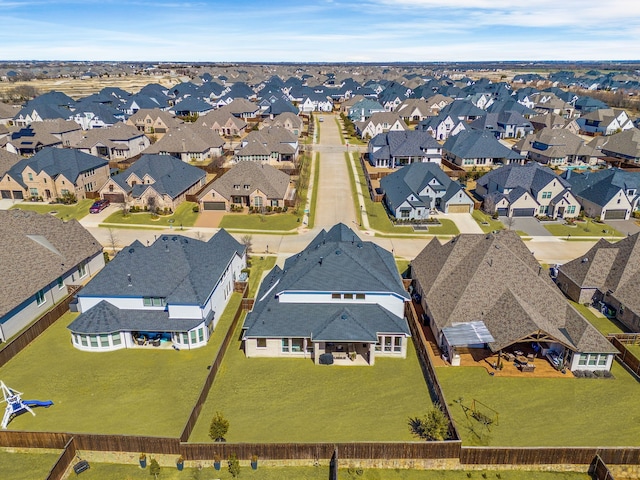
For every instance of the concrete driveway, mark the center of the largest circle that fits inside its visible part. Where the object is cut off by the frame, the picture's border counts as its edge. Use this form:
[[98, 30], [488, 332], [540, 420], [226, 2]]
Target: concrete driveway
[[7, 203], [628, 227], [529, 225], [464, 221]]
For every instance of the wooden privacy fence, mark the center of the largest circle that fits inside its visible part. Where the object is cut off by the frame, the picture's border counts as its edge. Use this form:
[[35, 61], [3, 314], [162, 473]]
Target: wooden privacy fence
[[548, 455], [64, 460], [420, 342], [625, 356], [213, 370], [16, 345]]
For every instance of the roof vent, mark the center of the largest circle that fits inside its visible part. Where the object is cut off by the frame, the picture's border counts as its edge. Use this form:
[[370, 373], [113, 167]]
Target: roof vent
[[338, 252], [320, 261], [164, 239], [344, 316], [585, 260], [129, 279], [174, 238], [131, 250], [359, 245]]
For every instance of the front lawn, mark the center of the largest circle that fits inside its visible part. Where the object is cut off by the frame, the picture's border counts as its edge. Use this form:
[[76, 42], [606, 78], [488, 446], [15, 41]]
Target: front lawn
[[584, 229], [255, 221], [107, 471], [604, 325], [133, 391], [64, 212], [27, 466], [544, 411], [486, 223], [259, 265], [271, 400], [184, 216]]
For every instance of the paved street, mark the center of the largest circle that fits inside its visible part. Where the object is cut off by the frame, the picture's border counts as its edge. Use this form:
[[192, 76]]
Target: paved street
[[335, 205]]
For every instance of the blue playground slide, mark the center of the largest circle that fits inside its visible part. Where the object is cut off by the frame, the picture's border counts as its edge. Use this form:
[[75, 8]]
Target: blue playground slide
[[37, 403]]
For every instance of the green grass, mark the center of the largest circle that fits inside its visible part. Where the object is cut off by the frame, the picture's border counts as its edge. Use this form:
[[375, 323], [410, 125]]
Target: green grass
[[481, 217], [258, 266], [342, 141], [603, 324], [550, 412], [448, 227], [314, 192], [402, 265], [132, 391], [257, 222], [65, 212], [584, 229], [293, 400], [106, 471], [183, 215], [27, 466]]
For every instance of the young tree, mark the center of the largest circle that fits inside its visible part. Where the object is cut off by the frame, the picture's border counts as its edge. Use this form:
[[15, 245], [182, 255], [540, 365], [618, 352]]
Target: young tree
[[219, 427], [154, 468], [234, 465], [247, 241], [433, 426], [112, 240]]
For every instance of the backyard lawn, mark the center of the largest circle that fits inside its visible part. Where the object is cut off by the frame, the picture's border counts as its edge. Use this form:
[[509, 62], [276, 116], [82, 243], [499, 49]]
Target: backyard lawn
[[26, 466], [602, 323], [544, 411], [489, 223], [254, 221], [584, 229], [293, 400], [183, 216], [64, 212], [259, 265], [132, 391], [105, 471]]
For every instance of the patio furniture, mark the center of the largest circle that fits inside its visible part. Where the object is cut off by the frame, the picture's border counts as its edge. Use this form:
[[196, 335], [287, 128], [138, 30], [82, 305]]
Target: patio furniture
[[141, 341], [531, 357], [510, 356], [522, 360], [156, 342]]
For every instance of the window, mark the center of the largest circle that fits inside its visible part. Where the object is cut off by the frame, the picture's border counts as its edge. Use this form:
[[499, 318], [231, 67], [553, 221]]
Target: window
[[257, 201], [378, 347], [274, 203], [360, 296], [60, 283], [94, 340], [261, 343], [82, 269], [285, 345], [154, 301], [115, 339], [83, 341], [602, 360], [348, 296], [397, 344], [236, 187], [592, 360], [201, 334], [30, 175], [33, 192], [404, 213], [543, 209], [193, 336], [296, 345], [40, 297], [583, 359], [387, 344], [64, 192], [571, 209], [246, 187], [546, 194], [336, 296], [104, 340]]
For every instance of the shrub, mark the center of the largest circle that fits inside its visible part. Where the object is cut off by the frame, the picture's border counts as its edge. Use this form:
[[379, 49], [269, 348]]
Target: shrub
[[234, 465], [218, 428], [195, 209], [433, 426]]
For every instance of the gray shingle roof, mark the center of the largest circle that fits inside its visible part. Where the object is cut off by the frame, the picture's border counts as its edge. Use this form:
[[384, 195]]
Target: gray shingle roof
[[478, 144], [531, 176], [171, 175], [269, 180], [494, 278], [601, 186], [335, 261], [26, 262], [180, 269]]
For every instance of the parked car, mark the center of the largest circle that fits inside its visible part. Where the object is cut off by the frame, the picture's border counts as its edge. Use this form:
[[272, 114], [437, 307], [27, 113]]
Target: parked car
[[98, 206]]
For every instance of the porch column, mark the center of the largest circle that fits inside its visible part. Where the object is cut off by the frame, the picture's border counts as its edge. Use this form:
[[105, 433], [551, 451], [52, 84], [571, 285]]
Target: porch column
[[372, 354]]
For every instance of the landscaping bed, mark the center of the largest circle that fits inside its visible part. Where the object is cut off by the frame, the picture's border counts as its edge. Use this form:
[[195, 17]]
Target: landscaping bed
[[184, 216], [583, 229]]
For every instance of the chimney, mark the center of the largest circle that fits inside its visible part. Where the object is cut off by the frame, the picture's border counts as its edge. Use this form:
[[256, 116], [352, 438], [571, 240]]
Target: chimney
[[129, 279], [320, 262]]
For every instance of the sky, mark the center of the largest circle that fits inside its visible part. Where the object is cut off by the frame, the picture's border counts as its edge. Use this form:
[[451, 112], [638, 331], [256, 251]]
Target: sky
[[319, 30]]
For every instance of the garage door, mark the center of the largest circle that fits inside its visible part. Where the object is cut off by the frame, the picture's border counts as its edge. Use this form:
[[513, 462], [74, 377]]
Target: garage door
[[17, 195], [615, 215], [523, 212], [213, 206], [5, 193], [458, 209], [503, 212], [114, 197]]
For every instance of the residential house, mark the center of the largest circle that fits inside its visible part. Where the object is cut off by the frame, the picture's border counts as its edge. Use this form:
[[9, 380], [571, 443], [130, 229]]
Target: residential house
[[271, 144], [287, 120], [153, 121], [623, 146], [53, 173], [504, 125], [49, 106], [316, 102], [90, 115], [487, 292], [462, 110], [363, 109], [115, 143], [437, 102], [548, 120], [379, 123], [223, 122], [526, 191], [416, 190], [473, 148], [442, 127], [154, 181], [399, 148], [243, 108], [27, 141], [607, 278], [248, 184], [173, 291], [548, 102], [190, 106], [610, 194], [190, 143], [414, 110], [604, 122], [7, 112], [41, 257], [339, 296], [557, 147]]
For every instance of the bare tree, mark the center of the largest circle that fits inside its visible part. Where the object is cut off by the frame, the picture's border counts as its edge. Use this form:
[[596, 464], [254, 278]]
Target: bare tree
[[247, 241], [112, 239], [199, 235], [152, 203], [509, 222], [124, 208]]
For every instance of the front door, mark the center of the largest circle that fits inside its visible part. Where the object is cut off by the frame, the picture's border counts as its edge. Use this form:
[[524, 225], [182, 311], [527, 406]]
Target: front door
[[560, 212]]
